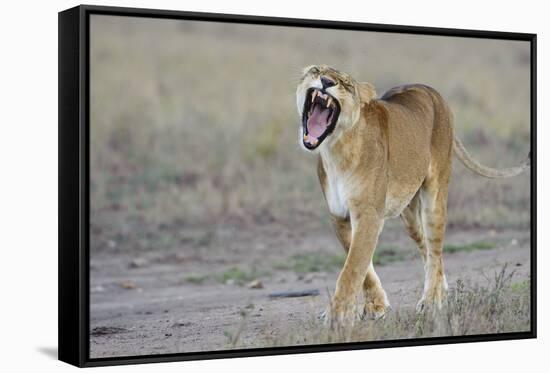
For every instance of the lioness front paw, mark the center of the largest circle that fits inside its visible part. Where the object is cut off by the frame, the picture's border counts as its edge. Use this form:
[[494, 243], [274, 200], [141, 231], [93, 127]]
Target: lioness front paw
[[375, 311], [340, 315], [376, 305]]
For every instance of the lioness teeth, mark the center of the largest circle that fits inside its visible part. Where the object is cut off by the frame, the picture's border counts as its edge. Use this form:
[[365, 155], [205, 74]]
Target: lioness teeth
[[311, 139], [328, 100]]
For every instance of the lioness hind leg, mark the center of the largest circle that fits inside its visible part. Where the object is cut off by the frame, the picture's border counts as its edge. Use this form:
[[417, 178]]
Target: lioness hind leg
[[376, 300], [342, 226], [412, 219], [433, 196]]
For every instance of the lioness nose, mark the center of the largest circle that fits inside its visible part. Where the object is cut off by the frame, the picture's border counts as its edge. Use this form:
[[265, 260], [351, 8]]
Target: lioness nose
[[327, 83]]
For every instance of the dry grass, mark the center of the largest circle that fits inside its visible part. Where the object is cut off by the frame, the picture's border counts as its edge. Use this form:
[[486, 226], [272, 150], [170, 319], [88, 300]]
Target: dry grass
[[194, 124], [501, 306]]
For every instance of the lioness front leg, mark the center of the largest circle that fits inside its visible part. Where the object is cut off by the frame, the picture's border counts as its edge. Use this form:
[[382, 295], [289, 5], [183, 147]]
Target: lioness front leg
[[366, 227], [376, 300]]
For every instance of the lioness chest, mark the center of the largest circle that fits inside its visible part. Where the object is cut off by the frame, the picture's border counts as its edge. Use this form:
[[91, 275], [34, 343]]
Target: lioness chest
[[339, 187]]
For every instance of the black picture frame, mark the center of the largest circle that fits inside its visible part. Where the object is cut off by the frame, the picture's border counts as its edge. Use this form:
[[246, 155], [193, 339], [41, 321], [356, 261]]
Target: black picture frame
[[74, 204]]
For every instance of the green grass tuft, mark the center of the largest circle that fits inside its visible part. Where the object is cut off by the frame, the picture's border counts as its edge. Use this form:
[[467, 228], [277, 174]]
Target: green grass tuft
[[240, 276], [196, 279], [313, 262], [386, 255], [469, 247]]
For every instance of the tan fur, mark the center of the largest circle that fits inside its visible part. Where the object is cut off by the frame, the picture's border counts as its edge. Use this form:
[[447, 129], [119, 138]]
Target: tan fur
[[387, 157]]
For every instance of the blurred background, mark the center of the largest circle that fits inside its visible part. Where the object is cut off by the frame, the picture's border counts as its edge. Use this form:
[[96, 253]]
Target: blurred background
[[196, 123], [195, 157]]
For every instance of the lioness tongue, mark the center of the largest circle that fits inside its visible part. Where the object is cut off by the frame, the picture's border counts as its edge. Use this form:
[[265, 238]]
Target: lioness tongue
[[318, 121]]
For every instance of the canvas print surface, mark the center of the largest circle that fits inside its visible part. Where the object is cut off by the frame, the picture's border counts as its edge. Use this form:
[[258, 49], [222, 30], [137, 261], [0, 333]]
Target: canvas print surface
[[214, 226]]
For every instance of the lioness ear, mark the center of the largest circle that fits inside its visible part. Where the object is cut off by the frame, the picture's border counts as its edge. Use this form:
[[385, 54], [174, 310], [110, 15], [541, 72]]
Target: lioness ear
[[366, 91], [306, 69]]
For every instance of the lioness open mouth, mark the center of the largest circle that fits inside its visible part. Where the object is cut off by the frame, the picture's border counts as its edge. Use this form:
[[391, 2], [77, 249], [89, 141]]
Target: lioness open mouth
[[319, 117]]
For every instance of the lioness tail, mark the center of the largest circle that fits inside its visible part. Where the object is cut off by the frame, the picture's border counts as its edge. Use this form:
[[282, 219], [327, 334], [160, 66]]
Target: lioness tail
[[482, 170]]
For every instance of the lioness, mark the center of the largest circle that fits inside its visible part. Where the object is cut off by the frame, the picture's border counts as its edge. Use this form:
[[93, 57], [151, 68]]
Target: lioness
[[381, 158]]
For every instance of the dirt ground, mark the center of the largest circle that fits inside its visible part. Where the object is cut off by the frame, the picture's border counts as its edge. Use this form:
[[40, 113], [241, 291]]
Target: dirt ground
[[177, 301]]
